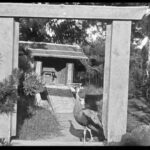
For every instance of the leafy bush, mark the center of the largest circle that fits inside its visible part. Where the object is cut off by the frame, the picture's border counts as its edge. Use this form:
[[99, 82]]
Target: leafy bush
[[32, 84], [8, 92], [95, 51]]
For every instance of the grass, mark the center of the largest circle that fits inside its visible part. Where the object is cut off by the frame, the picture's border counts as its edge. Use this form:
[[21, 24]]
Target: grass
[[41, 124]]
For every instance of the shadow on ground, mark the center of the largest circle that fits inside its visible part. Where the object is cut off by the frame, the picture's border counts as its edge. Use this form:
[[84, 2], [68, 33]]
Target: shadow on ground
[[75, 132], [79, 133]]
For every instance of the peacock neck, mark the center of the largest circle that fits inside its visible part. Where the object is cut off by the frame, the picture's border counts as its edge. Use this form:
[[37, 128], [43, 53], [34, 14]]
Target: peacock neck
[[77, 106]]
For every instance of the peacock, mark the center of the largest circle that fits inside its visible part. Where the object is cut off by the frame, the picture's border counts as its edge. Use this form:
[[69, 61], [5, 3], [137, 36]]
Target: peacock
[[86, 117]]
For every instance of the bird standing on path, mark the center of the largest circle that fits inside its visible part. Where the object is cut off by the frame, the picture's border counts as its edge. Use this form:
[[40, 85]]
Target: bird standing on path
[[86, 117]]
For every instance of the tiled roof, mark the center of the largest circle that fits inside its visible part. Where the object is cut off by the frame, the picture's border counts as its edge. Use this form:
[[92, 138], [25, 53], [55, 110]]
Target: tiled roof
[[54, 50]]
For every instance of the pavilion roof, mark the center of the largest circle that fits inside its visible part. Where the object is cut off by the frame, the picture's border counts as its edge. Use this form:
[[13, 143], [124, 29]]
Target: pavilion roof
[[43, 49]]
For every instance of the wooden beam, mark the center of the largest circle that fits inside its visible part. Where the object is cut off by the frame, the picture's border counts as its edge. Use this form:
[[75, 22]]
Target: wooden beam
[[48, 51], [71, 11], [117, 92], [61, 56]]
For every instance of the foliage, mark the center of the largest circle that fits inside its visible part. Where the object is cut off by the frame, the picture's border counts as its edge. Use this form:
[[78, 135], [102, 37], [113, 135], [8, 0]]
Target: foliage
[[25, 59], [32, 84], [26, 67], [33, 29], [95, 65], [135, 72], [8, 92], [29, 85], [61, 31], [67, 31]]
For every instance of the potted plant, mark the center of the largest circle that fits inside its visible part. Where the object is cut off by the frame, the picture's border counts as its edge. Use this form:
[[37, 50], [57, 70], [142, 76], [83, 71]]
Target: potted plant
[[32, 86]]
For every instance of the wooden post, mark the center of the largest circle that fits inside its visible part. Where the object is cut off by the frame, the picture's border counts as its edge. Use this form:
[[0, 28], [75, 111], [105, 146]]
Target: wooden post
[[117, 73], [70, 67], [38, 68]]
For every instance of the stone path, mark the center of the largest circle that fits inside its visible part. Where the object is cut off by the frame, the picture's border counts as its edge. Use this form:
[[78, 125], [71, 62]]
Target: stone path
[[61, 104], [61, 99]]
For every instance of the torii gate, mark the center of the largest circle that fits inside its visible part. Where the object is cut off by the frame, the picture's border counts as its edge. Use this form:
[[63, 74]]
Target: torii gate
[[117, 52]]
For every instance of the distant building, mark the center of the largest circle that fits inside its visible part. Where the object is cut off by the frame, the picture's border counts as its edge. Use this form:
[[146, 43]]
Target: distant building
[[56, 63]]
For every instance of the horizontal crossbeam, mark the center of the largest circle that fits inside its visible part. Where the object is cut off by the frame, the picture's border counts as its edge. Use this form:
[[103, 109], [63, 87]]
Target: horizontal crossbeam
[[71, 11]]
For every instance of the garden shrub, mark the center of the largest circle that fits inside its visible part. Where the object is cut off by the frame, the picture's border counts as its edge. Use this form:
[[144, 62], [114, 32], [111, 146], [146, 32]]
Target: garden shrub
[[8, 92], [32, 84]]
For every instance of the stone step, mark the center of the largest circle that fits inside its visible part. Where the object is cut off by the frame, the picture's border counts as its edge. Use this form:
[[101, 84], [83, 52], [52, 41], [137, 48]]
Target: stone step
[[61, 99], [58, 141]]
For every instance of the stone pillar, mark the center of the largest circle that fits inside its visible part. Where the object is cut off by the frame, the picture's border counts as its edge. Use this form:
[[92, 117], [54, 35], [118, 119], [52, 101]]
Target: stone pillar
[[106, 77], [70, 68], [6, 46], [6, 66], [116, 78], [16, 45], [38, 68], [5, 123], [15, 65]]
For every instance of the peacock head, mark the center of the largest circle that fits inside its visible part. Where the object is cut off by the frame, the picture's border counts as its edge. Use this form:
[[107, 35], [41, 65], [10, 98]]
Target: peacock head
[[82, 101]]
